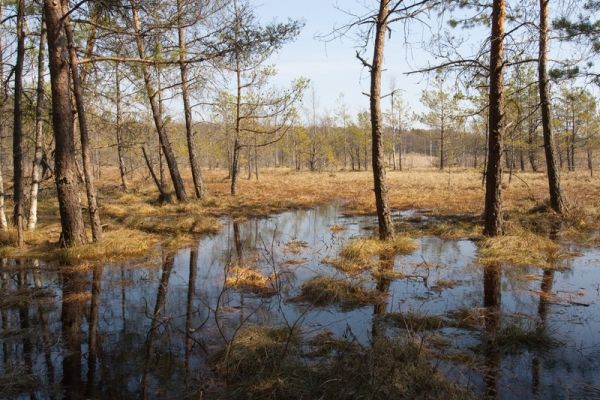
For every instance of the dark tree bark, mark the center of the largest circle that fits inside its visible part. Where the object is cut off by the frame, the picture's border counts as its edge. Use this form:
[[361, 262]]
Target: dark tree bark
[[73, 285], [93, 331], [492, 302], [3, 223], [18, 187], [556, 198], [88, 168], [384, 216], [189, 129], [493, 195], [73, 232], [156, 114], [36, 171]]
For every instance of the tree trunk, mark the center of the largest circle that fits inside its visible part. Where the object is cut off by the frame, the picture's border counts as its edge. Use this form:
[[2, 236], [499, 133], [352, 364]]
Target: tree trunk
[[164, 196], [493, 181], [590, 161], [442, 134], [156, 114], [36, 171], [120, 149], [532, 147], [18, 190], [189, 129], [386, 227], [3, 223], [556, 198], [73, 232], [88, 168]]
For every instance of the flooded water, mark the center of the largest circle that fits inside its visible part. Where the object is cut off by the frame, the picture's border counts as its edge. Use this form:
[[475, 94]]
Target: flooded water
[[147, 329]]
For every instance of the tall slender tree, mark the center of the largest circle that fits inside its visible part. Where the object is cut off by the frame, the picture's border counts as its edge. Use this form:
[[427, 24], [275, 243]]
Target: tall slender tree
[[36, 171], [157, 116], [3, 96], [557, 201], [88, 168], [187, 108], [384, 215], [493, 220], [18, 185]]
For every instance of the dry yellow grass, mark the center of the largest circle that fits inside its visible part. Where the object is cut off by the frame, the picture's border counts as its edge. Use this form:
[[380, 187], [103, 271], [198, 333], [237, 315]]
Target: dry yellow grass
[[282, 189], [246, 278], [520, 247]]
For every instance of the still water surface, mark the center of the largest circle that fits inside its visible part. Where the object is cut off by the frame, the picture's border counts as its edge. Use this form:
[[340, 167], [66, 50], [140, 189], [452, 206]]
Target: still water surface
[[146, 328]]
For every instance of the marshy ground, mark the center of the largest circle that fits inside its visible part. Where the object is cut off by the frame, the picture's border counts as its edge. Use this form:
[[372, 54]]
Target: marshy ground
[[281, 292]]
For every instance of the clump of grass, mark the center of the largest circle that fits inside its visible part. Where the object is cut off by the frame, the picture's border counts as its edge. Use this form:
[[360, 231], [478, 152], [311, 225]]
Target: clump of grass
[[514, 338], [519, 248], [255, 350], [442, 284], [295, 246], [468, 318], [335, 228], [387, 273], [295, 261], [245, 278], [271, 363], [364, 249], [362, 254], [325, 290], [348, 266], [415, 322]]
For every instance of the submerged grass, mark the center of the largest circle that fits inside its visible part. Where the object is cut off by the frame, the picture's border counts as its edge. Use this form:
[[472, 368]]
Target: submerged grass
[[273, 363], [514, 338], [364, 249], [361, 254], [325, 290], [415, 322], [247, 278]]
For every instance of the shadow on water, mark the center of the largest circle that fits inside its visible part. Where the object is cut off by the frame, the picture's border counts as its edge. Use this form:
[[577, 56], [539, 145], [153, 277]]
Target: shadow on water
[[148, 328]]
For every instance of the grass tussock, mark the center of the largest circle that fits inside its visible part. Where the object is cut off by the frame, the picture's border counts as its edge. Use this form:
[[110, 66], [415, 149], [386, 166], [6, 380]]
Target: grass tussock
[[324, 290], [415, 322], [520, 247], [271, 363], [515, 338], [361, 254], [295, 247], [246, 278], [364, 249]]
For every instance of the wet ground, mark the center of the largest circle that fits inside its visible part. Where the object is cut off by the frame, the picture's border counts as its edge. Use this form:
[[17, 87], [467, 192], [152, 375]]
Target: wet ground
[[147, 329]]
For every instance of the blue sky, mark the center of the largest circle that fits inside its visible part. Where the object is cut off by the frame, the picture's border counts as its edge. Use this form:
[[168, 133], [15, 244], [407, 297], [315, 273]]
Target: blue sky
[[332, 67]]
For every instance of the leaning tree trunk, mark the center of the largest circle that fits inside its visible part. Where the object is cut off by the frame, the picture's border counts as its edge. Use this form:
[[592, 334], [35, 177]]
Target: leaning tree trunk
[[88, 168], [189, 129], [156, 114], [493, 181], [18, 189], [556, 198], [386, 227], [36, 171], [71, 219], [3, 223]]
